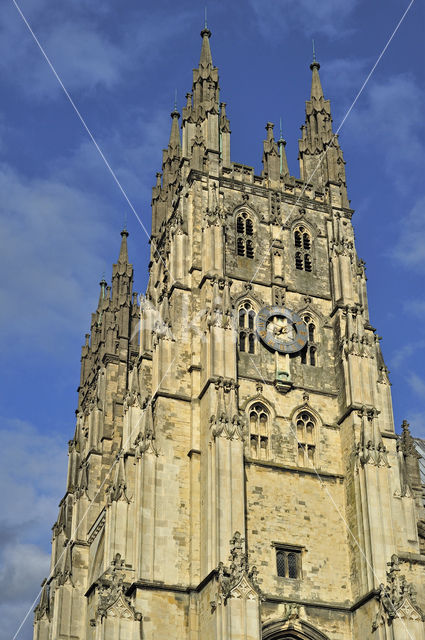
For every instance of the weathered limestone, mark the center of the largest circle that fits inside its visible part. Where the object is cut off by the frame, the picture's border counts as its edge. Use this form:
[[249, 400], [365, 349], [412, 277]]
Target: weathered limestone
[[219, 490]]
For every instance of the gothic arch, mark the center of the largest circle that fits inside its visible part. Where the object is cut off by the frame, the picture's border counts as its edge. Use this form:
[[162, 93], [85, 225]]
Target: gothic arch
[[302, 218], [256, 302], [252, 211], [291, 630], [262, 400], [306, 425]]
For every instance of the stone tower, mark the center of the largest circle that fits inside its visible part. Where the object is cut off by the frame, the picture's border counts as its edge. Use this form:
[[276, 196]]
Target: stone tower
[[235, 473]]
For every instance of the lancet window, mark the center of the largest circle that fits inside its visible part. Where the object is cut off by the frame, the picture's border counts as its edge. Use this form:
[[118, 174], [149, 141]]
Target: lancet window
[[306, 438], [247, 328], [259, 421], [244, 235], [308, 354], [303, 245]]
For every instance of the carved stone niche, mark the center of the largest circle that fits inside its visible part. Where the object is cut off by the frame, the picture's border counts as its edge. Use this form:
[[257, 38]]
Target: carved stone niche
[[112, 601]]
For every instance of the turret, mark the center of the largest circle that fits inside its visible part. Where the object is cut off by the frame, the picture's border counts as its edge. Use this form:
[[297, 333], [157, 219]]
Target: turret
[[320, 156]]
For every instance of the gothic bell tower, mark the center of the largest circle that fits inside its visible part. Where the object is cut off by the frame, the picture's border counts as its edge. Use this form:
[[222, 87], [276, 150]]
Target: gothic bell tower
[[235, 473]]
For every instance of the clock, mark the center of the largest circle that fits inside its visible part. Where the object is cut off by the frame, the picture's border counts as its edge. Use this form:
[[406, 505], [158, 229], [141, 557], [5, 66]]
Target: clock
[[281, 329]]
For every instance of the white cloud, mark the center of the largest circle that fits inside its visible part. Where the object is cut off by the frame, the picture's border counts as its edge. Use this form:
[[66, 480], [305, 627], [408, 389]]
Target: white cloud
[[49, 235], [410, 248], [87, 51], [389, 116], [328, 17], [417, 384], [32, 477]]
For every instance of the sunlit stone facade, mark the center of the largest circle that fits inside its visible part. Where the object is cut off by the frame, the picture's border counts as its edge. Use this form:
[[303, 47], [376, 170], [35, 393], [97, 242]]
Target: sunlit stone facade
[[220, 487]]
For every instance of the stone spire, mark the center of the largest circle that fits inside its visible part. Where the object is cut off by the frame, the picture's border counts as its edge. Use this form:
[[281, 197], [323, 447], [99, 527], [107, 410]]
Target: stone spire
[[123, 257], [320, 156], [316, 86], [174, 145], [271, 162], [113, 323], [206, 57]]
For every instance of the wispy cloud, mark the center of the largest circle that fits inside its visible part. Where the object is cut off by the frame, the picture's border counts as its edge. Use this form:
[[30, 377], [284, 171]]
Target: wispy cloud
[[410, 248], [390, 118], [88, 52], [32, 477], [328, 17], [417, 384]]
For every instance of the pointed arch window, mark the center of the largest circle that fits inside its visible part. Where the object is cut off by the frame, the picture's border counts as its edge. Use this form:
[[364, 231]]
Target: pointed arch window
[[303, 247], [308, 354], [247, 328], [306, 439], [259, 422], [244, 235]]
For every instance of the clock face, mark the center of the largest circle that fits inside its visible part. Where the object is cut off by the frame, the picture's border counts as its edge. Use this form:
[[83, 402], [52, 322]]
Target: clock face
[[281, 329]]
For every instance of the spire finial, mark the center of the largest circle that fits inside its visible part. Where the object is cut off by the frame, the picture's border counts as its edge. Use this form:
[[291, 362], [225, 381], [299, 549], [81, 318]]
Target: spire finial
[[123, 257], [125, 221], [314, 64], [280, 130], [175, 99], [205, 31]]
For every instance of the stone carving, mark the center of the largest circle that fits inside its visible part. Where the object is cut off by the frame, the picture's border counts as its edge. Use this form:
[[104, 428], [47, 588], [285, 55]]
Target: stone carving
[[236, 580], [145, 440], [43, 607], [65, 572], [220, 312], [118, 489], [370, 449], [226, 419], [113, 603], [397, 599]]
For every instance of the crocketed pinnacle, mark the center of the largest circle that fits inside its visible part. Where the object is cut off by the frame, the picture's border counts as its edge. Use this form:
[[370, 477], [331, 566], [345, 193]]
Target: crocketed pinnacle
[[174, 142], [316, 87], [206, 57], [123, 257]]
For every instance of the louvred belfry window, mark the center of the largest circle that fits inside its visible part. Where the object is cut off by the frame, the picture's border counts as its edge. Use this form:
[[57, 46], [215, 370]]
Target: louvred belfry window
[[246, 328], [244, 235], [308, 354], [259, 419], [303, 245], [306, 439]]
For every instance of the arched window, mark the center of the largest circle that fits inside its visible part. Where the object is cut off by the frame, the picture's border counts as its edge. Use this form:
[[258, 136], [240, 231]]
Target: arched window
[[308, 353], [244, 235], [259, 419], [306, 438], [302, 243], [246, 328]]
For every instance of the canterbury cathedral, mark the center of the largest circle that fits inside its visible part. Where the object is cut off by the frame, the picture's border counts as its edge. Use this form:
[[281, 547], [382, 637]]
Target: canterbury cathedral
[[235, 472]]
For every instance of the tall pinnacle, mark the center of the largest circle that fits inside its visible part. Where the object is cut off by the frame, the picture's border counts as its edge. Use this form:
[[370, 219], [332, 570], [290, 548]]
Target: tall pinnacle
[[206, 57], [316, 87], [123, 257], [174, 143]]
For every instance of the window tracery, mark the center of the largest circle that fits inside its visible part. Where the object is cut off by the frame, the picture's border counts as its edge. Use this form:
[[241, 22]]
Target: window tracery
[[259, 420], [303, 246], [247, 328], [306, 438], [308, 353], [244, 235]]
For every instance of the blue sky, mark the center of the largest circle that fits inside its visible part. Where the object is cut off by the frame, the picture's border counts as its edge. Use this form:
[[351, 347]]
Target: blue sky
[[61, 212]]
